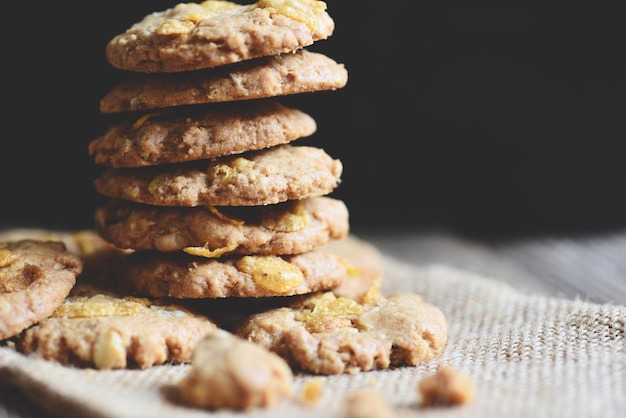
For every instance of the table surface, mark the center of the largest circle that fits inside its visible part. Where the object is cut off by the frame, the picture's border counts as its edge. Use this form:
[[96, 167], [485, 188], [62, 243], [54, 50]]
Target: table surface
[[590, 267]]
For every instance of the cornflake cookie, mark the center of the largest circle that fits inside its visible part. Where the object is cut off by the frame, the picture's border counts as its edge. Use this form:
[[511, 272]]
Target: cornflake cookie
[[325, 334], [230, 372], [185, 276], [199, 132], [367, 261], [291, 227], [291, 73], [100, 329], [35, 278], [97, 255], [192, 36], [83, 243], [273, 175]]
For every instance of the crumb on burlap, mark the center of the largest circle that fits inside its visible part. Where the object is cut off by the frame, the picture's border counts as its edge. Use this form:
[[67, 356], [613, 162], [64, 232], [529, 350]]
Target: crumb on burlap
[[312, 391], [367, 403], [447, 387]]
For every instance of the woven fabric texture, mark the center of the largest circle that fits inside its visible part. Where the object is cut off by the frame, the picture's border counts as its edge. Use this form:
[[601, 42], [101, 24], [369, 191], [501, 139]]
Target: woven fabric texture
[[529, 356]]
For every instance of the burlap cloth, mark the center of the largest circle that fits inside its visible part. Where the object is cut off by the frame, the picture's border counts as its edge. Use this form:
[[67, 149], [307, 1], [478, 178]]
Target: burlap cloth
[[529, 356]]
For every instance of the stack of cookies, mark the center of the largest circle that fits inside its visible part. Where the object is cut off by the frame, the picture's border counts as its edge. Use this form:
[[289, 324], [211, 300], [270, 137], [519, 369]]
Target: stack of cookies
[[208, 199], [204, 182]]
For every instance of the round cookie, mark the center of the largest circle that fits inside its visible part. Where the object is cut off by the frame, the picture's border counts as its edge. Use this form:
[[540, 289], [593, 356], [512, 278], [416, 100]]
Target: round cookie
[[273, 175], [199, 132], [326, 334], [35, 278], [192, 36], [103, 330], [184, 276], [84, 242], [367, 261], [280, 75], [98, 256], [291, 227]]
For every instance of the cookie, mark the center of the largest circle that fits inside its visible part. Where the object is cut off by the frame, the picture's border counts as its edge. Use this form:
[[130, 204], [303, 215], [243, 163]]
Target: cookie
[[273, 175], [84, 242], [199, 132], [192, 36], [100, 329], [35, 278], [291, 227], [325, 334], [367, 261], [291, 73], [96, 254], [184, 276], [230, 372]]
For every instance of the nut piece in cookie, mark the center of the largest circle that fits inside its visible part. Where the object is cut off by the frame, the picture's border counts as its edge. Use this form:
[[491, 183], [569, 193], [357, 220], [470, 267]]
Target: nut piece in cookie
[[277, 75], [230, 372], [192, 36], [273, 175], [35, 278], [99, 329], [180, 275], [196, 133], [291, 227], [326, 334]]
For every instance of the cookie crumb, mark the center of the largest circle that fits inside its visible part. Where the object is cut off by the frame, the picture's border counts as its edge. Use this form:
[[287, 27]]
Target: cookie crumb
[[367, 403], [312, 391], [447, 387], [231, 372]]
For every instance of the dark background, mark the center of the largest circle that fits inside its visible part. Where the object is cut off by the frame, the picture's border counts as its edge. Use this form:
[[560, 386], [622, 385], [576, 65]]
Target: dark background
[[505, 117]]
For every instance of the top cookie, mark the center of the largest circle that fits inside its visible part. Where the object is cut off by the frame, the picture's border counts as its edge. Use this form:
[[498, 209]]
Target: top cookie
[[192, 36], [279, 75]]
